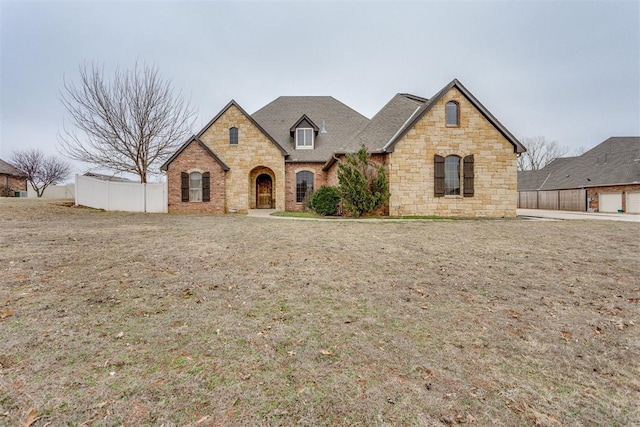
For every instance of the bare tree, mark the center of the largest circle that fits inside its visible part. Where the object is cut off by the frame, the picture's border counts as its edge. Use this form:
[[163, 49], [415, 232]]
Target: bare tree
[[128, 124], [540, 153], [40, 171]]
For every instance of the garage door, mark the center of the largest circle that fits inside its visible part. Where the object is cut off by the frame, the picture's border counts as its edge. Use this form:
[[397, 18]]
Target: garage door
[[610, 202], [633, 202]]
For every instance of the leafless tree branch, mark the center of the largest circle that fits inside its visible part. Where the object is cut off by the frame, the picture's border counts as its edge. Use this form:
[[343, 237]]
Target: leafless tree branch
[[40, 171], [128, 124], [540, 153]]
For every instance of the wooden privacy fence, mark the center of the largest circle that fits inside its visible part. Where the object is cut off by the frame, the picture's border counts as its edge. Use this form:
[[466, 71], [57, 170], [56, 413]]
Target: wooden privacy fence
[[564, 200]]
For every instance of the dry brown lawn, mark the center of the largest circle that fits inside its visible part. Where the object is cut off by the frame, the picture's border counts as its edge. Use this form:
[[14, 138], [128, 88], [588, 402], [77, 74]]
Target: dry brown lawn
[[113, 319]]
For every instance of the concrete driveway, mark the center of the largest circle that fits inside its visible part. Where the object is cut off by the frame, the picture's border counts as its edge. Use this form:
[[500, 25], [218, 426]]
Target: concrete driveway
[[541, 213]]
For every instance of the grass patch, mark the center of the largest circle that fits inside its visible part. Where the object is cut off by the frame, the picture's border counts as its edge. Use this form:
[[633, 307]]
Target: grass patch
[[136, 319]]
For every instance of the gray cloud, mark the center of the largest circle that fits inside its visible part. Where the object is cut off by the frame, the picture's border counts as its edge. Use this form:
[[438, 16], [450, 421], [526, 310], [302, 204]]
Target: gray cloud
[[567, 70]]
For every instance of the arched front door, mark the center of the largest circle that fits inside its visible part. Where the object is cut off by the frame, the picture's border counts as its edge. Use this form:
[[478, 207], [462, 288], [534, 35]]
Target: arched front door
[[264, 188]]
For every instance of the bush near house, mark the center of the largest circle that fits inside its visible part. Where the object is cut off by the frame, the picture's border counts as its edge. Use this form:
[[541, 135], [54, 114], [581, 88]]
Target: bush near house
[[325, 201], [363, 184]]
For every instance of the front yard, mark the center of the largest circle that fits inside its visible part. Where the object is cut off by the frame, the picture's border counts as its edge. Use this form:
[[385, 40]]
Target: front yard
[[152, 319]]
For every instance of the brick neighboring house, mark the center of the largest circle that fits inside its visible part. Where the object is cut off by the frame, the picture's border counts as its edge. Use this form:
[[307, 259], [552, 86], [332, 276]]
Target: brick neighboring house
[[445, 156], [11, 180], [608, 175]]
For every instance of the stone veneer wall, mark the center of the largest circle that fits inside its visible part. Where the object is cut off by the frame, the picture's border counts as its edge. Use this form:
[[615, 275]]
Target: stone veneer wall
[[411, 165], [253, 150], [594, 192], [194, 158], [291, 169]]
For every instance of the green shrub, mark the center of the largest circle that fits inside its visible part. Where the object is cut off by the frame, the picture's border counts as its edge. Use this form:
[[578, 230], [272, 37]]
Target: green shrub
[[325, 200], [363, 184]]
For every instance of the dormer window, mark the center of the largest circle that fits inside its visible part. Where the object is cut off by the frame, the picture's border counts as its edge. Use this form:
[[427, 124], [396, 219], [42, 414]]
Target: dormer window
[[304, 131], [304, 138], [452, 112]]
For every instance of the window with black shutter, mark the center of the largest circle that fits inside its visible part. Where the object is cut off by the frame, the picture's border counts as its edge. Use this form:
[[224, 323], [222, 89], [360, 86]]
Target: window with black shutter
[[206, 187], [185, 186], [438, 176], [468, 176]]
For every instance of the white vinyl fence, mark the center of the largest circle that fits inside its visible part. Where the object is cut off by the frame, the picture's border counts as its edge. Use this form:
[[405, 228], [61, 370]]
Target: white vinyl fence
[[121, 196], [67, 191]]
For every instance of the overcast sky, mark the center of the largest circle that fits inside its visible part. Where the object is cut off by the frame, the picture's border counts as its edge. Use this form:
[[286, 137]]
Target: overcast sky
[[569, 71]]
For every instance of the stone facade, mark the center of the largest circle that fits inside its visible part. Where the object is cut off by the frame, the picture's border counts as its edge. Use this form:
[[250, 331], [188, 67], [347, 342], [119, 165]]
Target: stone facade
[[594, 192], [9, 184], [194, 158], [411, 165], [255, 172], [254, 150]]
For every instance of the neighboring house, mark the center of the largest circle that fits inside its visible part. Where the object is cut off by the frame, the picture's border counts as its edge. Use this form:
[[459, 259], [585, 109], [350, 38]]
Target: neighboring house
[[605, 179], [11, 180], [103, 177], [445, 156]]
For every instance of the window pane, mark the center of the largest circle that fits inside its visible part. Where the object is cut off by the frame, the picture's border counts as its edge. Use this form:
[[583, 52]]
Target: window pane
[[304, 137], [233, 136], [452, 113], [195, 187], [452, 176], [304, 185]]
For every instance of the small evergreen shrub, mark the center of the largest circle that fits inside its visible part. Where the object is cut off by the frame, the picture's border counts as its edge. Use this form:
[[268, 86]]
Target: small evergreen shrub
[[363, 183], [325, 200]]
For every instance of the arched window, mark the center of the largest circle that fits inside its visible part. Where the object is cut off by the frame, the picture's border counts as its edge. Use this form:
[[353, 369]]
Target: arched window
[[233, 136], [304, 185], [452, 112], [195, 187], [452, 176]]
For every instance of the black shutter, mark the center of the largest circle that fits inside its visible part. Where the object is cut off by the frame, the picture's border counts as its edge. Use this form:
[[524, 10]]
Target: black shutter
[[206, 185], [468, 176], [438, 164], [185, 186]]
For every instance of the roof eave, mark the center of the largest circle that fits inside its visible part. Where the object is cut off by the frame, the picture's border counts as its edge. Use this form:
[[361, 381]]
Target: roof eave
[[251, 119], [517, 146]]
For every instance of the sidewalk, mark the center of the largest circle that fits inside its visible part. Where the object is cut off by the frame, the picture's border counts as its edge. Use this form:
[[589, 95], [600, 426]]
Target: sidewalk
[[541, 213]]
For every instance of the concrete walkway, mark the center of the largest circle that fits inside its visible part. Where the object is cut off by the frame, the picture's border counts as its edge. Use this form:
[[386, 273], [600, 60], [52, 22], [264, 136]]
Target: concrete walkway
[[541, 213]]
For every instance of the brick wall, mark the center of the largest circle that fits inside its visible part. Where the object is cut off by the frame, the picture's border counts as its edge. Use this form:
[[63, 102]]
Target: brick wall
[[253, 152], [194, 158], [291, 169], [593, 193], [411, 165], [9, 184]]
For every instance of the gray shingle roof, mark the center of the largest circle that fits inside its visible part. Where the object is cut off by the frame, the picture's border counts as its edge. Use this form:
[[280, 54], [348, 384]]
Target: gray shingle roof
[[614, 161], [385, 124], [7, 169], [341, 123]]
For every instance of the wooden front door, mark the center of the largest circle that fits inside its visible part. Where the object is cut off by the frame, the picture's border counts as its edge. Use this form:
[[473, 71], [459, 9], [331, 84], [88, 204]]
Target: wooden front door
[[263, 191]]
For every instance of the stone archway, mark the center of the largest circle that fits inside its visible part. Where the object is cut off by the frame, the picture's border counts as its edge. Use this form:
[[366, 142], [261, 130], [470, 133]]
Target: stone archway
[[262, 185]]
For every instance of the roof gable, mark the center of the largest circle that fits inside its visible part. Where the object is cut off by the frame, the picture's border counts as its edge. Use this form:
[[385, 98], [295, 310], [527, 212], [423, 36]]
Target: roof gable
[[517, 146], [197, 140], [304, 122], [8, 169], [251, 119], [341, 123]]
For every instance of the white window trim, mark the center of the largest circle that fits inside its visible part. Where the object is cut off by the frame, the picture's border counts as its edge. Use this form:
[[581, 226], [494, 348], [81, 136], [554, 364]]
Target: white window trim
[[305, 147]]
